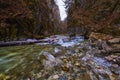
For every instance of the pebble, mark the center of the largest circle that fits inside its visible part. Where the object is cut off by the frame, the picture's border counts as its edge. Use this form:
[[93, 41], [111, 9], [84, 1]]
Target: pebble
[[55, 77], [77, 50], [115, 65], [77, 64]]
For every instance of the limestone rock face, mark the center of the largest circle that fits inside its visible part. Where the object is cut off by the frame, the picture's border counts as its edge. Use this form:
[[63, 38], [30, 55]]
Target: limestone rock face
[[78, 31], [94, 16], [13, 8], [46, 17], [28, 19], [13, 17], [56, 17]]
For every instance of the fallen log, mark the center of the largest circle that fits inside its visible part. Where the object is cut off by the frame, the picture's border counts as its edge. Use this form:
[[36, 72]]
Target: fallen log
[[15, 43]]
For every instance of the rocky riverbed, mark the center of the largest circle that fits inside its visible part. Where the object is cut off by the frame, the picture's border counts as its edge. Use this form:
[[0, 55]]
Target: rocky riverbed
[[86, 60]]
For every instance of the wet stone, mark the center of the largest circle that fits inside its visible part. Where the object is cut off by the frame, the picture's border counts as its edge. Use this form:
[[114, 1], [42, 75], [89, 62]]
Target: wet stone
[[115, 68], [77, 50], [64, 77], [114, 40], [55, 77], [74, 64], [56, 50], [64, 68]]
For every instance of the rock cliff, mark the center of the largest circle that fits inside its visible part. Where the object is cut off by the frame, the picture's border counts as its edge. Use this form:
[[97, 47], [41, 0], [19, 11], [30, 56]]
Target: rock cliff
[[23, 19]]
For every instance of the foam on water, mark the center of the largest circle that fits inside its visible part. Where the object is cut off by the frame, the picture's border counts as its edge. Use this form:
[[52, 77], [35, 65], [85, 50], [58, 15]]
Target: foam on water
[[101, 61], [64, 41]]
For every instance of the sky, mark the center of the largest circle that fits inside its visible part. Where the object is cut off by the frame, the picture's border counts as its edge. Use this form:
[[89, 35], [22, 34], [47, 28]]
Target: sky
[[61, 6]]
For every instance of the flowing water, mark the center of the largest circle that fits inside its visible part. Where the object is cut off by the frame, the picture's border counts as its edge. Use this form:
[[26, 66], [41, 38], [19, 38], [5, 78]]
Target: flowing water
[[25, 63], [20, 58]]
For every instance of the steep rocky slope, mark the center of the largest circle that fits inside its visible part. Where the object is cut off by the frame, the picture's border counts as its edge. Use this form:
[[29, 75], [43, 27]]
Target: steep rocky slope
[[14, 16], [28, 19], [88, 16]]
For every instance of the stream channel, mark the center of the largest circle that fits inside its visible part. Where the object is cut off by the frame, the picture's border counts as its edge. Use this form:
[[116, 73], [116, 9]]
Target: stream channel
[[63, 58]]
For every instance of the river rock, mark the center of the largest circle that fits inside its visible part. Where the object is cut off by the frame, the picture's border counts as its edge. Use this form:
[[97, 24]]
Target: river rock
[[56, 50], [77, 50], [115, 68], [49, 56], [114, 40], [101, 36], [50, 60], [118, 60], [117, 46], [110, 57], [55, 77]]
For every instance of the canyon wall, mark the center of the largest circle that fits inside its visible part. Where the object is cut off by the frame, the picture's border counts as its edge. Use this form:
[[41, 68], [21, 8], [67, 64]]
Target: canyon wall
[[23, 19], [86, 16]]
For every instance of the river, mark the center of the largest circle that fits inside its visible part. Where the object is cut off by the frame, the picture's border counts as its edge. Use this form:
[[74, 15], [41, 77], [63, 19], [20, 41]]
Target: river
[[55, 61]]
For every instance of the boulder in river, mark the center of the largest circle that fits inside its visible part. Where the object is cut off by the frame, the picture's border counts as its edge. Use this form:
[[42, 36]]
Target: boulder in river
[[50, 60]]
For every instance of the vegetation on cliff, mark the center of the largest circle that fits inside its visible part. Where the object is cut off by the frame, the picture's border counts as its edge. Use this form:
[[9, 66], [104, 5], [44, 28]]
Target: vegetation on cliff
[[94, 15], [28, 19]]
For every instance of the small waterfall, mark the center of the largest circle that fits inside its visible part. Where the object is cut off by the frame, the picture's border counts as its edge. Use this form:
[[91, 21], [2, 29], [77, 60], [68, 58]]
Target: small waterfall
[[62, 9]]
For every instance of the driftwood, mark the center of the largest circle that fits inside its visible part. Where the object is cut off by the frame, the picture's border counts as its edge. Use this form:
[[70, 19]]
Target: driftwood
[[14, 43]]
